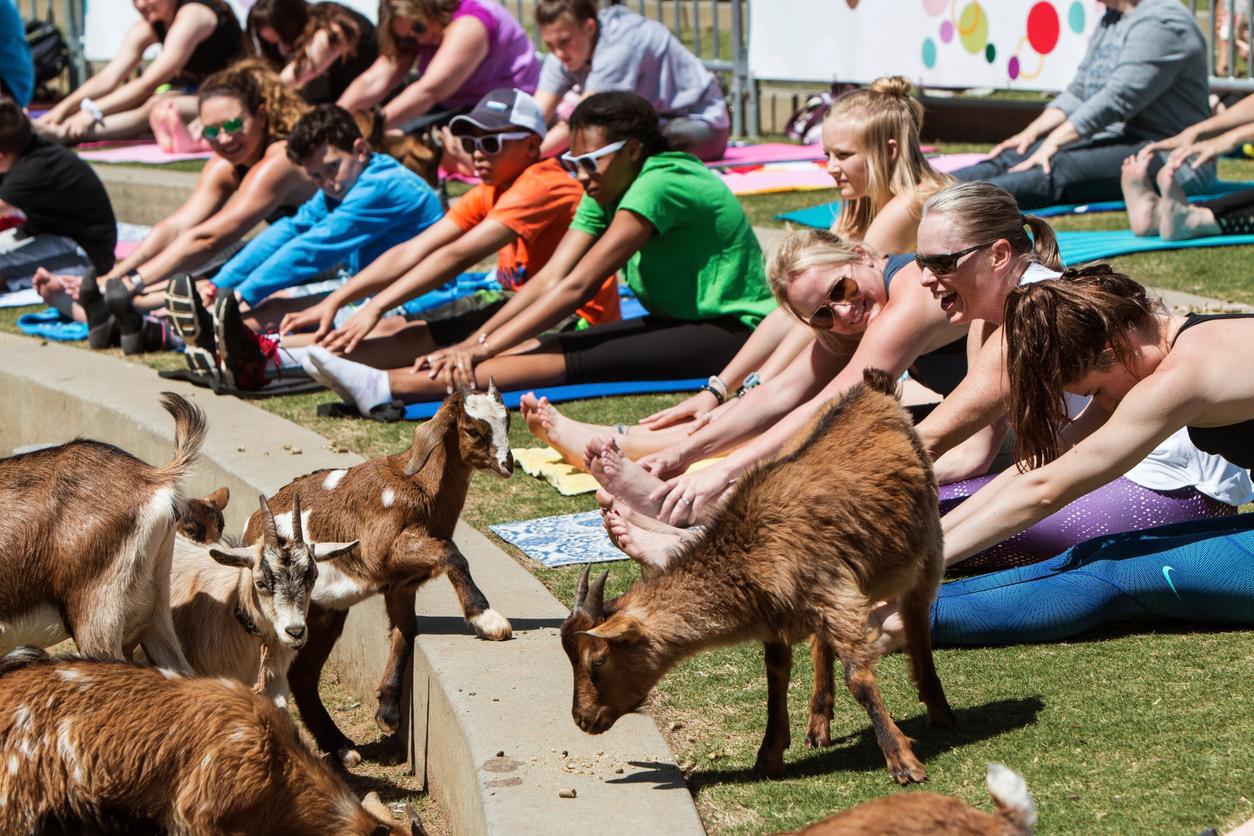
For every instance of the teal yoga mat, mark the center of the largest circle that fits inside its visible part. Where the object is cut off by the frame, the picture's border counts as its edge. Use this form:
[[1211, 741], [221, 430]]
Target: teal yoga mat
[[822, 216], [1082, 247]]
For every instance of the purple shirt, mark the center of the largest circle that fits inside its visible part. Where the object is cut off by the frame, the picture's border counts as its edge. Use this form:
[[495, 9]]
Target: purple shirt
[[510, 62]]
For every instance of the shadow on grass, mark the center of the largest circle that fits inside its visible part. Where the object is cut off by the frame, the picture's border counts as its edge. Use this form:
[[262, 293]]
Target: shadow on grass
[[859, 752]]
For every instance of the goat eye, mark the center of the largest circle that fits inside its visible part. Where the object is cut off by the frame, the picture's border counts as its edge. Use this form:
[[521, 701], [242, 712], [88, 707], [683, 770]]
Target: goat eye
[[260, 586], [599, 663]]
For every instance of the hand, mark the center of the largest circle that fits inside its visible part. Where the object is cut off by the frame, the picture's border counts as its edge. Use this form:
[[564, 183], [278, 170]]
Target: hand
[[455, 159], [321, 317], [1019, 143], [1171, 143], [454, 365], [1040, 157], [1201, 152], [685, 498], [347, 337], [78, 126], [665, 463], [693, 407]]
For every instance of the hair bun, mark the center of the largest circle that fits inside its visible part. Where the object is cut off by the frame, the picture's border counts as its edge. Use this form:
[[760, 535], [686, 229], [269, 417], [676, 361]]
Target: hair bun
[[896, 86]]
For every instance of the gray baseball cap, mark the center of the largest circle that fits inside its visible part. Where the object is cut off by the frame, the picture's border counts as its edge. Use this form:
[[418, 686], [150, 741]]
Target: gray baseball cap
[[504, 108]]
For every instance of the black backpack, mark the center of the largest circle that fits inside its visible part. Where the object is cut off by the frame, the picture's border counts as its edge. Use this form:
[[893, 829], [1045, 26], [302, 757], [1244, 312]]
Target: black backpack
[[48, 50]]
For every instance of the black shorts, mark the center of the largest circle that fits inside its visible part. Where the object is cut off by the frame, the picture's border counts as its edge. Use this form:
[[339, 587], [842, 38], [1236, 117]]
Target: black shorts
[[650, 348], [1234, 213]]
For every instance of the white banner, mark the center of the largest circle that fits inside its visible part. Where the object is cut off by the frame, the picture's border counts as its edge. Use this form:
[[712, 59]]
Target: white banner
[[1024, 44], [108, 20]]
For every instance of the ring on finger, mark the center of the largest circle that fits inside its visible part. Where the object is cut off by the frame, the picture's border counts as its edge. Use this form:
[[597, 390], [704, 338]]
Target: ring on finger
[[685, 500]]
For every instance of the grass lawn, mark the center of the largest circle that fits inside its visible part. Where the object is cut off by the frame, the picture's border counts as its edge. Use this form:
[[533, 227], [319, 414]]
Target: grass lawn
[[1133, 730]]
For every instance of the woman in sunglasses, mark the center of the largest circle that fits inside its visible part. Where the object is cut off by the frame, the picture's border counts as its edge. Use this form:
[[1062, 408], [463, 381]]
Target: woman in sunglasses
[[197, 38], [462, 50], [681, 240], [247, 114], [320, 48]]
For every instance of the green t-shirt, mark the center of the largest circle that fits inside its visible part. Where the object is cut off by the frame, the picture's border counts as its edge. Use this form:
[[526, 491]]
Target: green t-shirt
[[704, 261]]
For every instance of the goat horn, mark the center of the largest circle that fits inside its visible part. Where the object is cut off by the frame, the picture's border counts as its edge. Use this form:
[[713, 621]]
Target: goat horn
[[493, 392], [268, 529], [594, 606], [581, 592], [298, 536]]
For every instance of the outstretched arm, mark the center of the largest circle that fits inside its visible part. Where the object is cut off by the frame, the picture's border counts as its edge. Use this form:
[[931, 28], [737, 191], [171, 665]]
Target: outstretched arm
[[464, 48]]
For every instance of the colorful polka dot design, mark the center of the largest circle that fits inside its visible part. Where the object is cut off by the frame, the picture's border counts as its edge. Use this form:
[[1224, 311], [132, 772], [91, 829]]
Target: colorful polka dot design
[[970, 27]]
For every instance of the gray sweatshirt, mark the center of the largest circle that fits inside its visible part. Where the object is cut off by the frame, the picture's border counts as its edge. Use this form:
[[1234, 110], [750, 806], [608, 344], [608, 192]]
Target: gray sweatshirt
[[1144, 75]]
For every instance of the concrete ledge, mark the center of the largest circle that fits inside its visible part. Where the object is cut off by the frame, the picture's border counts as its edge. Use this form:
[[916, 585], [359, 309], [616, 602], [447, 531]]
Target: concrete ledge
[[472, 699], [145, 195]]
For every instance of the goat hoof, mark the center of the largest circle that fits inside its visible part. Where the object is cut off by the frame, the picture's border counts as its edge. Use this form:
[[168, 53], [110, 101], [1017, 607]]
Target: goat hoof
[[941, 718], [491, 625], [817, 739], [388, 717], [348, 757], [768, 769], [908, 773]]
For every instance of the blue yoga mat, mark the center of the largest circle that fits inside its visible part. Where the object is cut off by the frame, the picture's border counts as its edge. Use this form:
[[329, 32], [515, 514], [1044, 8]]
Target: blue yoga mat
[[1080, 247], [574, 392], [53, 325], [822, 216]]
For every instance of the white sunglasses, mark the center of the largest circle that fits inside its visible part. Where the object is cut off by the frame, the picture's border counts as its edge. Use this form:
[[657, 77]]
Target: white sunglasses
[[588, 161], [490, 144]]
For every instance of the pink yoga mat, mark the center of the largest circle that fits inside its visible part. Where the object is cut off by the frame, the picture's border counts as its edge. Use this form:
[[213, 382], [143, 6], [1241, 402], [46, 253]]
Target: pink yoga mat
[[804, 177], [148, 152]]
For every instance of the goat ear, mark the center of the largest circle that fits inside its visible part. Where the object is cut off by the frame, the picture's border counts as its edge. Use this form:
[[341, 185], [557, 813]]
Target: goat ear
[[493, 392], [427, 437], [219, 498], [415, 824], [619, 628], [240, 557], [328, 551], [373, 805]]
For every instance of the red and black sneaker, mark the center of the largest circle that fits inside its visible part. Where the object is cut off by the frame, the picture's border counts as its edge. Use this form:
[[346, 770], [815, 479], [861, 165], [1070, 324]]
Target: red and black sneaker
[[191, 321], [243, 355]]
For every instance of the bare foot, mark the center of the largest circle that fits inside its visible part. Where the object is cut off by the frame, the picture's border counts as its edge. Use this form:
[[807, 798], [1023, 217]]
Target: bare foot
[[885, 620], [565, 435], [1139, 194], [642, 520], [622, 478], [1177, 218], [650, 549]]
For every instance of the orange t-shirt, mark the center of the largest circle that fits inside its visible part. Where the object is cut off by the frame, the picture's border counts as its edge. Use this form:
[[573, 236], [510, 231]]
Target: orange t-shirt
[[538, 207]]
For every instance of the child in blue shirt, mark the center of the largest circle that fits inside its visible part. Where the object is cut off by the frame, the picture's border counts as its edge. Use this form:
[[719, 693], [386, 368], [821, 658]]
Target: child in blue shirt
[[366, 204]]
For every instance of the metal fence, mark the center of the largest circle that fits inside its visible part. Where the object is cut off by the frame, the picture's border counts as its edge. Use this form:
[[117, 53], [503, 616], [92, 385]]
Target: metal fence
[[69, 15], [1226, 24]]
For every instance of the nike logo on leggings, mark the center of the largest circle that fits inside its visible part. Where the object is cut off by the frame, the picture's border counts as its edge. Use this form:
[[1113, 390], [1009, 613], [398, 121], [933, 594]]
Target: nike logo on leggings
[[1167, 570]]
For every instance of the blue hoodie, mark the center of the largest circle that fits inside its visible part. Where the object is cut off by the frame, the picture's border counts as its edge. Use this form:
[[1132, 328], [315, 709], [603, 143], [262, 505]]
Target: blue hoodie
[[387, 205]]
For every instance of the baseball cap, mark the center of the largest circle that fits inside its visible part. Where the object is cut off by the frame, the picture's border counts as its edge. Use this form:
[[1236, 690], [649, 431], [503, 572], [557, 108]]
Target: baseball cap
[[507, 107]]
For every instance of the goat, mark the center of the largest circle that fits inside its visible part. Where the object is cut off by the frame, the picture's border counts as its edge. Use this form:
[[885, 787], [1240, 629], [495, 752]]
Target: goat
[[247, 610], [403, 509], [201, 520], [86, 540], [931, 814], [93, 745], [419, 153], [803, 546]]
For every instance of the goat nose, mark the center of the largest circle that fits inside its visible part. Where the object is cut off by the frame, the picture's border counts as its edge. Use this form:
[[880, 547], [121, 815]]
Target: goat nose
[[296, 631]]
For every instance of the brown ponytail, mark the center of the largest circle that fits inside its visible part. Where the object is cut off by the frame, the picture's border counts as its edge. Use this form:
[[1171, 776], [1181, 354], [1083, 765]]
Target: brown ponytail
[[1056, 332], [984, 212]]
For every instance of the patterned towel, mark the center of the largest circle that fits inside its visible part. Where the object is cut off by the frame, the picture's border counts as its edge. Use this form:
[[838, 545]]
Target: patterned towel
[[561, 541]]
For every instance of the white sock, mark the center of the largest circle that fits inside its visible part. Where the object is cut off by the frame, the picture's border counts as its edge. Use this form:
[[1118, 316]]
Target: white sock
[[292, 358], [365, 386]]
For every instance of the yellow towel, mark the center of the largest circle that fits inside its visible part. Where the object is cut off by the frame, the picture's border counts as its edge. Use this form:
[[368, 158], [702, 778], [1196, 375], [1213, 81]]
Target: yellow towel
[[547, 464]]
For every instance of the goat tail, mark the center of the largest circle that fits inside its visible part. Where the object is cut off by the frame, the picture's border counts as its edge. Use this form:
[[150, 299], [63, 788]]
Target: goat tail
[[22, 656], [1014, 803], [190, 428], [880, 381]]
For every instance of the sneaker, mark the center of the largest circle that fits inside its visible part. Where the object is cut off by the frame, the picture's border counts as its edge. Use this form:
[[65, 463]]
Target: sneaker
[[130, 321], [243, 355], [191, 321]]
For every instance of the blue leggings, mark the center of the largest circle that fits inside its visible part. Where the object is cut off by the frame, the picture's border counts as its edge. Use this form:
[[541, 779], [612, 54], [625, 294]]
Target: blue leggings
[[1197, 572], [1121, 505]]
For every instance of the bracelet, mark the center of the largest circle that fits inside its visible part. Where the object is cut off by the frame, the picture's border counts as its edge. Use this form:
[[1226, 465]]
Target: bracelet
[[719, 396], [752, 381], [483, 338], [719, 384], [93, 110]]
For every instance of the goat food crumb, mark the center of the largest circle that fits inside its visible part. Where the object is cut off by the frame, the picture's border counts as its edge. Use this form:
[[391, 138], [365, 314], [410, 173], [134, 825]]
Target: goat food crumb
[[567, 793], [501, 754], [295, 451], [618, 771], [239, 449], [676, 726]]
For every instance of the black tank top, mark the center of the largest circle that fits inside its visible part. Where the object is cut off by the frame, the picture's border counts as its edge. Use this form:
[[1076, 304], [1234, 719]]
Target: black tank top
[[216, 52], [1234, 442], [941, 369]]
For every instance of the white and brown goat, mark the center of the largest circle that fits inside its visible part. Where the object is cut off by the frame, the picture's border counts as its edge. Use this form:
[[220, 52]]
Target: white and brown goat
[[240, 610], [201, 520], [90, 746], [402, 508], [86, 538], [804, 546]]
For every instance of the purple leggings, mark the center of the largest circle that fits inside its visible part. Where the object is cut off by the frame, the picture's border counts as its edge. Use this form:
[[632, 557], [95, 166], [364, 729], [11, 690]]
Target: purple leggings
[[1121, 505]]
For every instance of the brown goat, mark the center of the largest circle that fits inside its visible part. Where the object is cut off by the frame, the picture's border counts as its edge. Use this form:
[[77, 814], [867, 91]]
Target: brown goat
[[94, 745], [931, 814], [402, 508], [804, 546], [86, 539], [201, 520], [420, 154]]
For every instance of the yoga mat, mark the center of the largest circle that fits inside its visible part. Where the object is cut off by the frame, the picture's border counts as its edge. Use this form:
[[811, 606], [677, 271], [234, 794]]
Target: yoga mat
[[547, 464], [149, 153], [822, 216], [561, 541], [1079, 247], [768, 152], [20, 298], [574, 392], [781, 177]]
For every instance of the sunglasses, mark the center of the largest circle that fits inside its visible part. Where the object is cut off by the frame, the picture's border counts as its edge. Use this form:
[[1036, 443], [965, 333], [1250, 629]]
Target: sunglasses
[[842, 293], [409, 43], [491, 144], [942, 264], [230, 127], [588, 161]]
